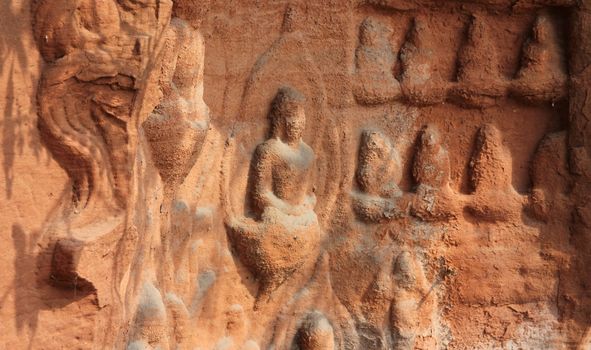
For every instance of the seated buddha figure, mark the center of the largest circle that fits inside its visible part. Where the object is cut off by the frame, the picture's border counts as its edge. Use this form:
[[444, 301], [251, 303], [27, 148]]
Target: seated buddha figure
[[434, 200], [378, 172], [374, 81], [285, 234], [493, 196]]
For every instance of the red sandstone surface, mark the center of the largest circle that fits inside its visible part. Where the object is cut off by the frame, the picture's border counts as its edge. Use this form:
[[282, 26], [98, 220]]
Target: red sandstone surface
[[355, 174]]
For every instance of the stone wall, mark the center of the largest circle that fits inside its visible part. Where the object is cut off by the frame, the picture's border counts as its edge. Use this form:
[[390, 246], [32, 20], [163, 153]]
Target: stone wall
[[295, 175]]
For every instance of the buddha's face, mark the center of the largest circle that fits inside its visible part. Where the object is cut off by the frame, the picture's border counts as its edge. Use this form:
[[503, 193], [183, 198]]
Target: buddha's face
[[376, 145], [295, 122], [430, 136], [542, 29]]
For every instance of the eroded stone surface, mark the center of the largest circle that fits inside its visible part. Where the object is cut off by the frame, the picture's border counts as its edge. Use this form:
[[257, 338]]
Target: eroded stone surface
[[305, 175]]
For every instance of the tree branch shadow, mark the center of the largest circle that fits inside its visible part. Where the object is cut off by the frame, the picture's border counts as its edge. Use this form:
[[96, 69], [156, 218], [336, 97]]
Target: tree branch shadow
[[15, 29]]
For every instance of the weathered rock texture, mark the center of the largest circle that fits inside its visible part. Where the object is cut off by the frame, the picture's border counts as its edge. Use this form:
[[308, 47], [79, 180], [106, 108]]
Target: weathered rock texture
[[356, 174]]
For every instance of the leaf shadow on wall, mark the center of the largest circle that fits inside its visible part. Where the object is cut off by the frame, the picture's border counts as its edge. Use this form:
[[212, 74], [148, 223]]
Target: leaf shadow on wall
[[31, 288], [16, 68], [26, 300]]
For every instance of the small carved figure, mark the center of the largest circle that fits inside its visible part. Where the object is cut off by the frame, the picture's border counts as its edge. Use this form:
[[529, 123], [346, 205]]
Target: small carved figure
[[286, 234], [411, 305], [542, 76], [434, 198], [374, 65], [479, 78], [550, 177], [399, 293], [490, 178], [315, 333], [420, 83], [378, 172], [378, 297], [150, 324]]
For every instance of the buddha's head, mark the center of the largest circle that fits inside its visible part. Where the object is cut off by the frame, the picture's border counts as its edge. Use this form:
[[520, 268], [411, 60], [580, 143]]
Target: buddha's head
[[371, 32], [288, 118], [375, 145], [542, 29]]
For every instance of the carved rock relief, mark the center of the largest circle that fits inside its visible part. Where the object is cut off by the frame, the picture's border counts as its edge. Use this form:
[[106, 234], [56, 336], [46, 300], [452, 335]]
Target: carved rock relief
[[478, 80], [108, 65], [286, 234], [374, 64], [294, 224], [87, 111]]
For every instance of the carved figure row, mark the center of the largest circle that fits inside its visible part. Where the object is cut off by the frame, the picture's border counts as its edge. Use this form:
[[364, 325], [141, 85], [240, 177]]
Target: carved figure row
[[492, 196], [479, 83]]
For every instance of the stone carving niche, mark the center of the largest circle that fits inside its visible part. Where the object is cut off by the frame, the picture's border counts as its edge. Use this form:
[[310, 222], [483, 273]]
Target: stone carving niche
[[364, 175]]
